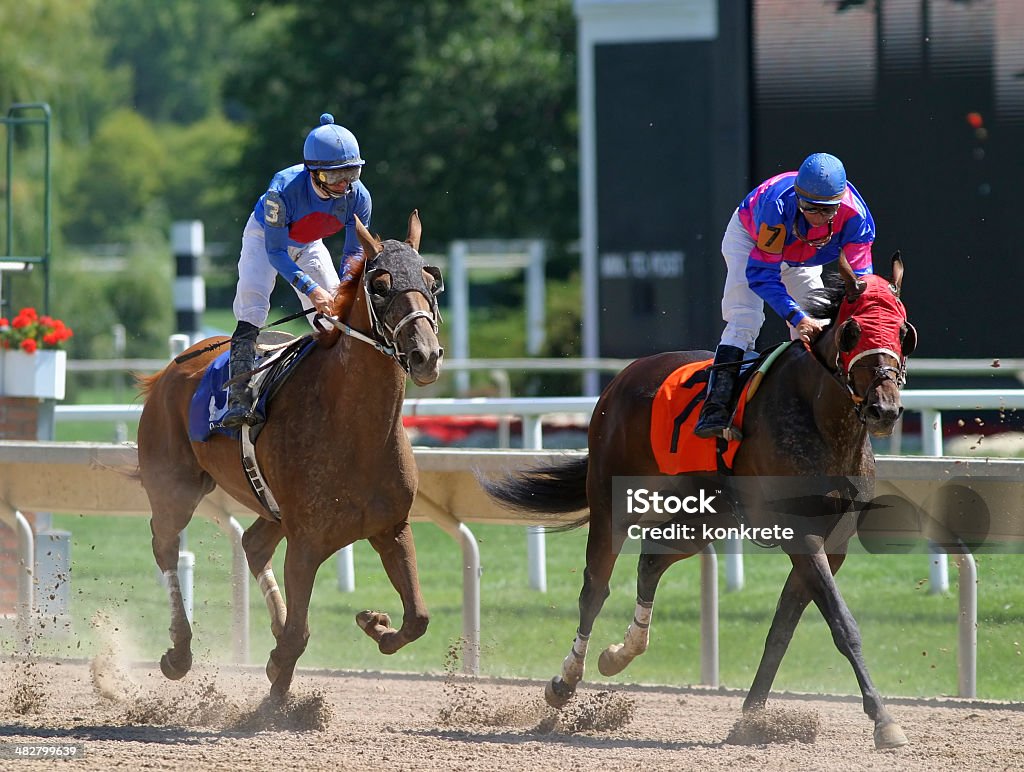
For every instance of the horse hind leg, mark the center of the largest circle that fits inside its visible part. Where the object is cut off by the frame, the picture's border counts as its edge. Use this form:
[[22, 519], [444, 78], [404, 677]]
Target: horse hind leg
[[600, 562], [169, 518], [650, 568], [398, 556], [259, 542]]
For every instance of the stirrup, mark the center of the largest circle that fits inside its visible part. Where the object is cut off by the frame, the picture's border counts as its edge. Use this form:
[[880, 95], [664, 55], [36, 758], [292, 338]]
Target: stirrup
[[235, 417]]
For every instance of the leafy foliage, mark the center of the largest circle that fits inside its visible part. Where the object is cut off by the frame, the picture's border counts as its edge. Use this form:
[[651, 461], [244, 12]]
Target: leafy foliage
[[456, 116]]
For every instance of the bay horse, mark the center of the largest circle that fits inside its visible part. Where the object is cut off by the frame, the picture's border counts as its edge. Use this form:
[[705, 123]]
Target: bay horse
[[811, 416], [334, 455]]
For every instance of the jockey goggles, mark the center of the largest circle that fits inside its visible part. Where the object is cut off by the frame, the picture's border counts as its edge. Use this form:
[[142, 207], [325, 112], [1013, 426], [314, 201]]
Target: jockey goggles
[[829, 210], [337, 176]]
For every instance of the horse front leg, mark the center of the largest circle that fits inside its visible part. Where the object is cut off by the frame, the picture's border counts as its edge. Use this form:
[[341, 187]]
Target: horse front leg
[[398, 556], [792, 602], [650, 569], [259, 542], [301, 562], [846, 635]]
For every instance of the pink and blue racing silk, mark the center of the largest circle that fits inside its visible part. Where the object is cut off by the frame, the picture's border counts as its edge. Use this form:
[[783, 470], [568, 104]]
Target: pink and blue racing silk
[[770, 215], [293, 215]]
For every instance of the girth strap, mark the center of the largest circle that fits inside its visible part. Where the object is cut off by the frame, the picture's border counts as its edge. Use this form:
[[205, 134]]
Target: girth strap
[[256, 479]]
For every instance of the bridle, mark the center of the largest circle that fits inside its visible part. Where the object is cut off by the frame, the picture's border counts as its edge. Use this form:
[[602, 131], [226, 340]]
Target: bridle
[[384, 336], [881, 374]]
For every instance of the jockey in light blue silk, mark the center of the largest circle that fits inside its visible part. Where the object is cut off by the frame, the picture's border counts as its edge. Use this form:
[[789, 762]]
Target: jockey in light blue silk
[[303, 205], [774, 247]]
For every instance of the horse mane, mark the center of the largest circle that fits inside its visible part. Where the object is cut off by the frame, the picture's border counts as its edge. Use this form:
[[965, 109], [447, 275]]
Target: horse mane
[[145, 383], [344, 300], [824, 303]]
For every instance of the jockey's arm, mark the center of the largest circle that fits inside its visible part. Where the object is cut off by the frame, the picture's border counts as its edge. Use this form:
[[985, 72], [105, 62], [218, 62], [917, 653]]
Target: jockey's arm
[[275, 229]]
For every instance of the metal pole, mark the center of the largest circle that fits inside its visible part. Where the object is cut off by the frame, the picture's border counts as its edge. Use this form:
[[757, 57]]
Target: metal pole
[[709, 616], [733, 549], [458, 287], [346, 570], [967, 638], [535, 299], [931, 444], [536, 549]]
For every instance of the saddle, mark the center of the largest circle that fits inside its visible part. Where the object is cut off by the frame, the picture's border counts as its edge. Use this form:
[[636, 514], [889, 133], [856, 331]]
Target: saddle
[[676, 408], [277, 355]]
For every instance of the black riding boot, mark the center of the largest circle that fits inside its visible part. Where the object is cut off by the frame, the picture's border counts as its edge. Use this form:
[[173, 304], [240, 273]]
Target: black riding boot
[[716, 413], [242, 360]]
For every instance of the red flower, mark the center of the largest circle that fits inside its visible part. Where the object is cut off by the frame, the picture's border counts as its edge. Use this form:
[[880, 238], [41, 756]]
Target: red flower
[[30, 332]]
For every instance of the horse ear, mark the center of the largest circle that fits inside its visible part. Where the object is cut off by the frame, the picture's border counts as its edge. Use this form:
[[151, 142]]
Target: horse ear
[[848, 335], [908, 339], [371, 245], [897, 271], [854, 286], [415, 230]]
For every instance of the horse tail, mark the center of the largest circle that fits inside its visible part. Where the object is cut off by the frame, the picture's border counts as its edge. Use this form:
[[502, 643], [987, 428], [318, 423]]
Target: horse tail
[[546, 490]]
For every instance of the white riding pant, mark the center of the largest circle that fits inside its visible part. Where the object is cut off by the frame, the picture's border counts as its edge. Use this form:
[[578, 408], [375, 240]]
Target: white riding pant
[[256, 276], [742, 308]]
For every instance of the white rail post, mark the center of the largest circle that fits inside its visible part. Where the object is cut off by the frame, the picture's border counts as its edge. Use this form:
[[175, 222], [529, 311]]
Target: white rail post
[[536, 548], [186, 580], [346, 570], [733, 549], [967, 639], [931, 444], [458, 292], [709, 616]]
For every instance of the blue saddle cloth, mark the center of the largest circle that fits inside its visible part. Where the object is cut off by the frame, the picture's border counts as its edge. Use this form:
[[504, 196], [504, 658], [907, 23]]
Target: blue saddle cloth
[[210, 401]]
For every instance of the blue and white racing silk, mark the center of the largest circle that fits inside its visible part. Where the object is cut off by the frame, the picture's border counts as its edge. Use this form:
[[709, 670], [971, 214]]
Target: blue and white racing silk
[[293, 215]]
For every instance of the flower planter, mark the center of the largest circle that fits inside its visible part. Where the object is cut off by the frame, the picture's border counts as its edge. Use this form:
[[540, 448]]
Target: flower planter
[[41, 374]]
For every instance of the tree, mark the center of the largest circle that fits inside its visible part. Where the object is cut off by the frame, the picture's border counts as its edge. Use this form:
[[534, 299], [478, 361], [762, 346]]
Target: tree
[[464, 110]]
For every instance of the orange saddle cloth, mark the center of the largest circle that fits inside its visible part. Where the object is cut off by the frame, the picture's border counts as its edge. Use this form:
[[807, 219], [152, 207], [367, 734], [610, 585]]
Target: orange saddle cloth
[[675, 412]]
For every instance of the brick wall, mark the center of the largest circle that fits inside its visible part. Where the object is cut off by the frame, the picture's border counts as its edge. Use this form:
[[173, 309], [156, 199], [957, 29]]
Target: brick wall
[[19, 418]]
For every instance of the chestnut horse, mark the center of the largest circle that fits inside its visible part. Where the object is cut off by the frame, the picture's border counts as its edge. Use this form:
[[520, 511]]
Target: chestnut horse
[[334, 455], [811, 416]]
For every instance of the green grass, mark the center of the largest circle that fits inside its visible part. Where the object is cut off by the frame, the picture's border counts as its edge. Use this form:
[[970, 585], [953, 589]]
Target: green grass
[[909, 635]]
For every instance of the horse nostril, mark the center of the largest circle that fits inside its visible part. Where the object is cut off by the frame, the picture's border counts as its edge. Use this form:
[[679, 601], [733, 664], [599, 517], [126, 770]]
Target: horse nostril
[[416, 358]]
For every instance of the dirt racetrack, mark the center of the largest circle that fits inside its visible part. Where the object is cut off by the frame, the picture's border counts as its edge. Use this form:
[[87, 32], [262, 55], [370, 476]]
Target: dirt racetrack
[[130, 717]]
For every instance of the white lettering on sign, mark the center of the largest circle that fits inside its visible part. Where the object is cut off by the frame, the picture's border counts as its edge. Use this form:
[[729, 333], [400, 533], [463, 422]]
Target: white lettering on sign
[[642, 265]]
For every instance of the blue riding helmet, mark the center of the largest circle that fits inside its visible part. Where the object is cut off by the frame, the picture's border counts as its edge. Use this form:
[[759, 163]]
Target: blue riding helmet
[[821, 179], [330, 146]]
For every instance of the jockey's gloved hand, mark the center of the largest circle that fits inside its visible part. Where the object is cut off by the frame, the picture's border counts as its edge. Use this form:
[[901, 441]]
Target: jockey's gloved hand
[[322, 301], [808, 329]]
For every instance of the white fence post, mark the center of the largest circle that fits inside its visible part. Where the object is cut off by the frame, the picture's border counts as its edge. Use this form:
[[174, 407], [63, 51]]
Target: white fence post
[[536, 546], [931, 443]]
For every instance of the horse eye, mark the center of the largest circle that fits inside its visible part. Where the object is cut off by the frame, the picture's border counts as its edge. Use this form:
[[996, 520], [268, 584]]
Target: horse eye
[[381, 285]]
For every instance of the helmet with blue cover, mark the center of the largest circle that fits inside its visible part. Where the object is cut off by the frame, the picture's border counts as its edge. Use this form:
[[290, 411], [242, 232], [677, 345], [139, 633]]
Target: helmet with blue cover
[[821, 180], [331, 154]]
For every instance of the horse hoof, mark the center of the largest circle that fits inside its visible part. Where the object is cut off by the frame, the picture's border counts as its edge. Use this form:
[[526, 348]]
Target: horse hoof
[[610, 663], [889, 736], [368, 620], [557, 693], [172, 672]]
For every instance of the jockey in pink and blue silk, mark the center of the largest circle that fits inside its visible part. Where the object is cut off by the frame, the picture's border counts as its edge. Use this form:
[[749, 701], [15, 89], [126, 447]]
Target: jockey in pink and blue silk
[[774, 247]]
